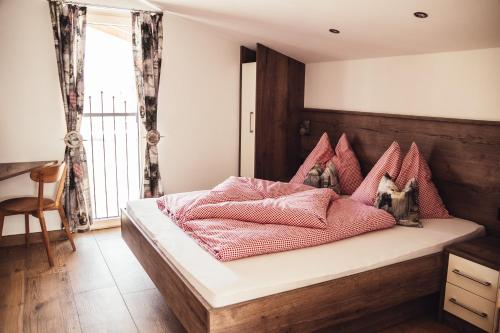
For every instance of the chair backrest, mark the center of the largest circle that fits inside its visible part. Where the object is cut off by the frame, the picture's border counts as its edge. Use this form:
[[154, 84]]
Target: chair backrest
[[50, 174]]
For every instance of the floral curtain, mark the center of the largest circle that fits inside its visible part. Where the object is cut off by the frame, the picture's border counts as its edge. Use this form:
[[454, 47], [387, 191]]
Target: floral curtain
[[147, 40], [68, 24]]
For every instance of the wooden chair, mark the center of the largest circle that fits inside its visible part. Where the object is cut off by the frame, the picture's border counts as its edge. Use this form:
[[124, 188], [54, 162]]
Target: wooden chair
[[36, 206]]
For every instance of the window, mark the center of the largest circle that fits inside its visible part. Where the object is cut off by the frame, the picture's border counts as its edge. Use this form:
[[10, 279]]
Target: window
[[110, 124]]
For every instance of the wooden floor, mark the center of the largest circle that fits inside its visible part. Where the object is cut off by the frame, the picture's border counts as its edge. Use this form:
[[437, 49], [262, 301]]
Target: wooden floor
[[99, 288]]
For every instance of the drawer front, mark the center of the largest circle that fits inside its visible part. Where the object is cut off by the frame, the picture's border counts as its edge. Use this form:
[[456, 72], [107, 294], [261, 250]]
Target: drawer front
[[476, 278], [496, 323], [472, 308]]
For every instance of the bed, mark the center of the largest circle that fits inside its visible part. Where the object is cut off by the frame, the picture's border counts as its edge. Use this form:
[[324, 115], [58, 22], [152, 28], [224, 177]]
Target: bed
[[225, 293], [228, 283], [381, 277]]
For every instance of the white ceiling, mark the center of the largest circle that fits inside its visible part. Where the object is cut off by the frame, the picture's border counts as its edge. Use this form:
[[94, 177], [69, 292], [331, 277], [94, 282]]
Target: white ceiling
[[368, 28]]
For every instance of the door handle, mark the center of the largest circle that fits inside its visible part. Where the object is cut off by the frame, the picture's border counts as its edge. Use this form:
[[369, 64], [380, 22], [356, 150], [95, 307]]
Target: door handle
[[250, 120]]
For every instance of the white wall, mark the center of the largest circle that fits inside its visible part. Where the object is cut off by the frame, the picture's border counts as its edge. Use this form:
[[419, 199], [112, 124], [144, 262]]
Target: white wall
[[31, 115], [462, 84], [198, 103], [198, 106]]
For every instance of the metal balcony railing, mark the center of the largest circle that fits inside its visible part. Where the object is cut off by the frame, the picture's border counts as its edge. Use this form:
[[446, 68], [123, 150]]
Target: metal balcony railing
[[111, 135]]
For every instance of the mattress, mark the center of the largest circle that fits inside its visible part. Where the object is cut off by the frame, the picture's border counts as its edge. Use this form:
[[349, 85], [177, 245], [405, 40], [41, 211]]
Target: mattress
[[226, 283]]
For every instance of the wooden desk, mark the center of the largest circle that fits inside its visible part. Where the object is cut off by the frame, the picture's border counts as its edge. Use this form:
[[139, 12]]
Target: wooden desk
[[9, 170]]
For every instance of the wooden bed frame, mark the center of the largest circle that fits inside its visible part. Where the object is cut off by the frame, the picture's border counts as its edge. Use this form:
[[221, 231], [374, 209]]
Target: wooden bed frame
[[383, 296]]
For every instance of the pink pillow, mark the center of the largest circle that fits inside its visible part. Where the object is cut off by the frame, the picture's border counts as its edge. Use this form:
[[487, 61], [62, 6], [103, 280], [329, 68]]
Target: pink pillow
[[321, 154], [429, 201], [390, 163], [347, 165]]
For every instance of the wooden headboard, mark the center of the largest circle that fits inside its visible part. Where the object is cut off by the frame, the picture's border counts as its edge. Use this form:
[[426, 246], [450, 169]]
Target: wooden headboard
[[464, 155]]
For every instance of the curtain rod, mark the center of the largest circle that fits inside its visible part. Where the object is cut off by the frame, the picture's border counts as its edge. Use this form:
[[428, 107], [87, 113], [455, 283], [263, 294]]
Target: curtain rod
[[110, 7]]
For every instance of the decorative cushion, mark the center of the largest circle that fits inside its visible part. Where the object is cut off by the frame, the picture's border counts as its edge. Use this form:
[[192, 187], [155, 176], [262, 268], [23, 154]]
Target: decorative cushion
[[313, 177], [415, 166], [347, 165], [323, 177], [403, 205], [329, 177], [321, 154], [389, 163]]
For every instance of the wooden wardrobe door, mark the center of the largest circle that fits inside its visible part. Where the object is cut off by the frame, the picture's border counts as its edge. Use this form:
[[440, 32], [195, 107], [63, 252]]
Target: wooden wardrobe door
[[280, 98]]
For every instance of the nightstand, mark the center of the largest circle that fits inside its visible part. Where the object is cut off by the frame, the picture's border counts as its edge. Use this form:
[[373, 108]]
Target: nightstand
[[470, 298]]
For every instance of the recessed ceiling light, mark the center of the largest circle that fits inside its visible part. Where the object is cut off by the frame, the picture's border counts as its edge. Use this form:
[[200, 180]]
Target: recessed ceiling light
[[421, 15], [334, 31]]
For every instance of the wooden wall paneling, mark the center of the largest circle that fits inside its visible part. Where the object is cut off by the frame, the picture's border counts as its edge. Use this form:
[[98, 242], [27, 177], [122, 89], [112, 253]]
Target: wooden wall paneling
[[464, 155]]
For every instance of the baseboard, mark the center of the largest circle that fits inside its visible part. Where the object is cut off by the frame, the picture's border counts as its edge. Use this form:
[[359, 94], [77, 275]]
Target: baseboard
[[35, 237], [105, 223]]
